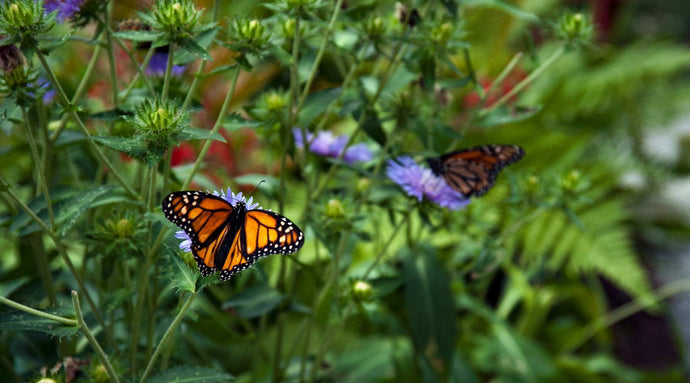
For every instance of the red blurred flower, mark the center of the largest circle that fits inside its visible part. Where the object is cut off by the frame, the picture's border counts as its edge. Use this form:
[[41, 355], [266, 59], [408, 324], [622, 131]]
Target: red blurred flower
[[473, 99], [182, 154]]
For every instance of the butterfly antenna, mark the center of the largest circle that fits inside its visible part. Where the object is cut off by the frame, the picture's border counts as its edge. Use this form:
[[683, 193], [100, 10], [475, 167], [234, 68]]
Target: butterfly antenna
[[256, 187]]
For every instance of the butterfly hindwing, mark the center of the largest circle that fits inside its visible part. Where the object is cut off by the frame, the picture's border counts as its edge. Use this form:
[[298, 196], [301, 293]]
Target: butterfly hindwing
[[473, 171], [226, 237]]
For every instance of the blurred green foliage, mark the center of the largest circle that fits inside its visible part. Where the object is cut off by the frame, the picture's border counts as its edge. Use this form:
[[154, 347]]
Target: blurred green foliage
[[117, 108]]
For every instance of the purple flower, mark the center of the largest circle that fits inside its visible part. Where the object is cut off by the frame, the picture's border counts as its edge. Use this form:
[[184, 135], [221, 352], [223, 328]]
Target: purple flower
[[230, 197], [420, 182], [329, 145], [158, 63], [65, 8]]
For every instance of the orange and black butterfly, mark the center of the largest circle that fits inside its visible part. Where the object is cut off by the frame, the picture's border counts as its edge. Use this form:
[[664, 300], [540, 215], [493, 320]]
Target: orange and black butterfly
[[473, 171], [226, 237]]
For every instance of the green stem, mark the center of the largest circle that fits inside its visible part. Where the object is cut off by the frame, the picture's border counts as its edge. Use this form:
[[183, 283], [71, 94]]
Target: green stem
[[167, 335], [504, 73], [216, 127], [111, 56], [32, 311], [192, 87], [168, 71], [624, 311], [526, 81], [138, 67], [94, 343], [137, 76], [62, 98], [324, 41], [37, 159], [80, 90], [379, 256], [63, 254], [397, 57]]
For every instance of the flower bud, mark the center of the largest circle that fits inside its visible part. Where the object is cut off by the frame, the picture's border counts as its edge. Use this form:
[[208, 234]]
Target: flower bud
[[362, 291], [10, 58], [23, 20], [275, 102], [99, 374], [335, 209], [575, 29], [571, 181], [363, 185], [289, 28], [442, 33], [177, 18]]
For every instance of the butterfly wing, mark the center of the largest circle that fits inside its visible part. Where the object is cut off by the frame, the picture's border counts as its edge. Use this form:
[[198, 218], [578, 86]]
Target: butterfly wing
[[473, 171], [262, 233], [206, 220]]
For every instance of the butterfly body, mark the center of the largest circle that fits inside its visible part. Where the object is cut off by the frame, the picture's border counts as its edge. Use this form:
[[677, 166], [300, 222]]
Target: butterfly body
[[226, 237], [473, 171]]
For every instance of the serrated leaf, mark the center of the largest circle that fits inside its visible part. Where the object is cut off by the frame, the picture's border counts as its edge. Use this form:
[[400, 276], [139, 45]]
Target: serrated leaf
[[235, 122], [21, 321], [429, 304], [193, 48], [185, 374], [254, 301], [67, 214], [129, 145], [203, 40], [137, 35], [55, 43], [316, 104], [183, 277], [190, 133], [505, 115]]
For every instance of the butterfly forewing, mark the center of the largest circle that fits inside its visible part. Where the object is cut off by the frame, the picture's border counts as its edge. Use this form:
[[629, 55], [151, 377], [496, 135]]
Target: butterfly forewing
[[473, 171], [229, 238]]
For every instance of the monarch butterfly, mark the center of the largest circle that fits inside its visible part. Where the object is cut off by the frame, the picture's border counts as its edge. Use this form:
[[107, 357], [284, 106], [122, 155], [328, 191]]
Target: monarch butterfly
[[473, 171], [229, 237]]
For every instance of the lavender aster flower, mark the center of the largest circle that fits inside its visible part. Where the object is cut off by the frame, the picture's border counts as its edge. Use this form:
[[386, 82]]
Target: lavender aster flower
[[231, 198], [65, 8], [420, 182], [329, 145], [158, 63]]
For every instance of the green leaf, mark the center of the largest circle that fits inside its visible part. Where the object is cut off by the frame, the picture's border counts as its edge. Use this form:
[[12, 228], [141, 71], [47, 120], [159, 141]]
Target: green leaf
[[56, 43], [183, 277], [235, 122], [461, 371], [372, 126], [504, 115], [427, 65], [268, 186], [345, 39], [429, 304], [202, 40], [130, 145], [190, 133], [137, 35], [22, 321], [67, 213], [504, 7], [194, 49], [316, 104], [185, 374], [254, 301]]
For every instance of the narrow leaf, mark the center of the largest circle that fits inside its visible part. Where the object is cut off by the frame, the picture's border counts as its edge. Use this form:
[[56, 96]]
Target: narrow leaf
[[184, 374], [254, 301], [235, 122], [183, 277], [21, 321], [137, 35], [190, 133], [68, 213], [429, 303], [316, 104]]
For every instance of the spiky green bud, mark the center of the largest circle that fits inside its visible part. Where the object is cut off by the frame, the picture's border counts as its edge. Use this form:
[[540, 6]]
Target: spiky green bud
[[575, 29]]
